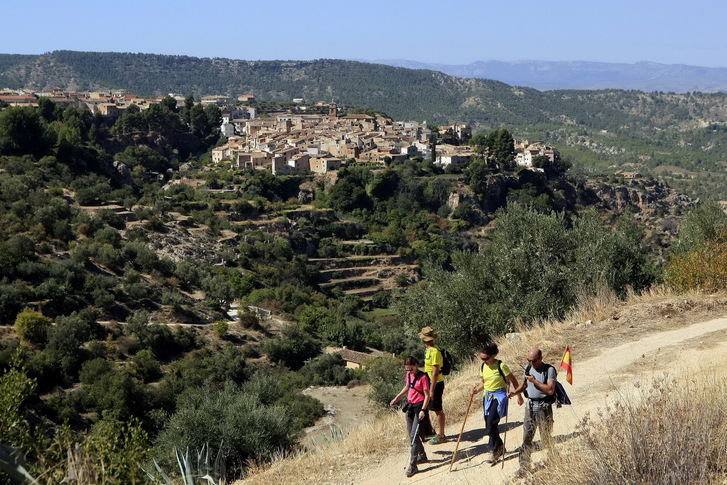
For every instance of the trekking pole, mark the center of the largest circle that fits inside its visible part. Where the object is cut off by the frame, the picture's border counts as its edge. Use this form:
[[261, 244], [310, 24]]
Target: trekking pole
[[466, 413], [504, 441], [416, 432]]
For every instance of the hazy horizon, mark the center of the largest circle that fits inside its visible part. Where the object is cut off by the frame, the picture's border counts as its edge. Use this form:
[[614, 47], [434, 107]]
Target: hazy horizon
[[622, 33]]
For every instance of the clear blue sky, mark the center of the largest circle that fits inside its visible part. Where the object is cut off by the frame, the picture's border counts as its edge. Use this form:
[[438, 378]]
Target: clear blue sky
[[443, 32]]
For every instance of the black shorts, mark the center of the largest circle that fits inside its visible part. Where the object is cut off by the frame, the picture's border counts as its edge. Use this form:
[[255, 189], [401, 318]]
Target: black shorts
[[436, 403]]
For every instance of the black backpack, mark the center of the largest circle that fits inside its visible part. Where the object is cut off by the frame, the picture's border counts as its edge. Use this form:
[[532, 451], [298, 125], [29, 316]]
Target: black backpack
[[559, 397], [447, 362]]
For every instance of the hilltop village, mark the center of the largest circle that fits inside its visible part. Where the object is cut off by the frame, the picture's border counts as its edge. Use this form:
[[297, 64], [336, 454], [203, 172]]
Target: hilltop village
[[302, 138], [288, 143]]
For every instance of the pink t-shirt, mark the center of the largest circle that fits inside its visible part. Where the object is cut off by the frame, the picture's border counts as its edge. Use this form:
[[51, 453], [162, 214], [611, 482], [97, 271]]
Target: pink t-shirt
[[420, 387]]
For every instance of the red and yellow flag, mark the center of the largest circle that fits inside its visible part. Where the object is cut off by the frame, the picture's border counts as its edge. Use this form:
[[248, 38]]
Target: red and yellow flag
[[567, 365]]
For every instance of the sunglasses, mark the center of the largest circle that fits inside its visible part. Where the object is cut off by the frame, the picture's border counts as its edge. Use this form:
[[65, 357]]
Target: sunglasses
[[533, 360], [487, 357]]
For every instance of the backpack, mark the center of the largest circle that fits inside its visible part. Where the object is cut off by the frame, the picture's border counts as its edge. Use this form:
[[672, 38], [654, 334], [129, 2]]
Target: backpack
[[559, 397], [447, 362], [413, 382]]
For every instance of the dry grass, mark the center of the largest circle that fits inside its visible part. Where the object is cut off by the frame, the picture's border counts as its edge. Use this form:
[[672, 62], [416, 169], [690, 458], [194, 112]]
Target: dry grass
[[612, 321], [672, 432]]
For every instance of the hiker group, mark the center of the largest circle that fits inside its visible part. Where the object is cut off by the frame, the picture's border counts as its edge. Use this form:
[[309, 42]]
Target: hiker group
[[424, 391]]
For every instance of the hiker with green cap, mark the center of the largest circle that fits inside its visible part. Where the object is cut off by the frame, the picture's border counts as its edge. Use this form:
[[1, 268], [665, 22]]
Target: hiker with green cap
[[496, 376], [433, 362]]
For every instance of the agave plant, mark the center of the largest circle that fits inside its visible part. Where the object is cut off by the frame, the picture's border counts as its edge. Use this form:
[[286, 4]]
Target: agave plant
[[11, 462], [204, 473]]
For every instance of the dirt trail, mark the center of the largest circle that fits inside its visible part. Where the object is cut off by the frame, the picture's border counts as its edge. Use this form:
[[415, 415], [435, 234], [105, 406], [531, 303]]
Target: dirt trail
[[614, 372]]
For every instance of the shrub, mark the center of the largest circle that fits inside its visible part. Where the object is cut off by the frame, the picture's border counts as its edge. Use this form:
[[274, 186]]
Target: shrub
[[32, 327], [118, 394], [385, 375], [705, 223], [114, 449], [16, 388], [248, 319], [326, 370], [292, 348], [381, 299], [232, 422], [146, 366], [704, 268], [643, 445], [94, 369], [220, 328], [203, 369], [65, 340], [304, 410]]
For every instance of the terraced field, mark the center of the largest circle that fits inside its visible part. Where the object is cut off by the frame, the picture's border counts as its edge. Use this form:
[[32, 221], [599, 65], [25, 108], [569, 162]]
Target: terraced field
[[364, 276]]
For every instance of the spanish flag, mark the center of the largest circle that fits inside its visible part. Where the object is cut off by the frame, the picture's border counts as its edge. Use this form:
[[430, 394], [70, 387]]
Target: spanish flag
[[567, 364]]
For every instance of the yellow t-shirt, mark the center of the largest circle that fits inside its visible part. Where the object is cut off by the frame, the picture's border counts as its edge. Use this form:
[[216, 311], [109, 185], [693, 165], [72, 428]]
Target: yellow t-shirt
[[432, 357], [491, 378]]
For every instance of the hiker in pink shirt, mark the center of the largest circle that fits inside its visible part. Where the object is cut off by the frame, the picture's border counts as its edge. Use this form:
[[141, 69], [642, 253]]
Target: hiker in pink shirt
[[416, 388]]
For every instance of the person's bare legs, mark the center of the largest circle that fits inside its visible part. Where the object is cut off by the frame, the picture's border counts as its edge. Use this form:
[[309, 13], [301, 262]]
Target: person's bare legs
[[440, 421]]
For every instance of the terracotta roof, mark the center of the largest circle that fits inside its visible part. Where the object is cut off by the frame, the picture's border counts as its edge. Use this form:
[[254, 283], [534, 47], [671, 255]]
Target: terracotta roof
[[357, 357]]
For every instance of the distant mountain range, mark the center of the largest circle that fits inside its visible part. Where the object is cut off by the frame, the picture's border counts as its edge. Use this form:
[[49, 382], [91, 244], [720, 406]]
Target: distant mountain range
[[548, 75]]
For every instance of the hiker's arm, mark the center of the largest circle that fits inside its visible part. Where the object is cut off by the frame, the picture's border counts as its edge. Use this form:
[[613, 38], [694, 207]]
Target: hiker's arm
[[516, 389], [477, 388], [425, 406], [398, 396], [548, 388], [512, 380]]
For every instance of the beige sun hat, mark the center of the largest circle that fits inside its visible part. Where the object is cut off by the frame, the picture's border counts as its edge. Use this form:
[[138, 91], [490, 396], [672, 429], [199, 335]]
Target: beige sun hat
[[427, 334]]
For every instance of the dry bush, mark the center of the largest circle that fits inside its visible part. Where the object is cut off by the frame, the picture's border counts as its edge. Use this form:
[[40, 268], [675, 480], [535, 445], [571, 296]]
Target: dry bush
[[674, 432], [594, 305]]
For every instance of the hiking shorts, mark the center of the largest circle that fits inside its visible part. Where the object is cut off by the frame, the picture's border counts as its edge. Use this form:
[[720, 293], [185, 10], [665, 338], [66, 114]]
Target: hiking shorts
[[436, 403]]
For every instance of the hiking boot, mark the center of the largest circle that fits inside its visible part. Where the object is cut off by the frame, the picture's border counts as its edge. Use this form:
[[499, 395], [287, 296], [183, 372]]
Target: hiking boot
[[411, 470], [496, 455], [438, 438], [499, 452]]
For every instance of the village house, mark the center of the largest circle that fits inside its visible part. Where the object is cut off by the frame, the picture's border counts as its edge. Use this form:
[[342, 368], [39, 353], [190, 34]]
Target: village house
[[218, 99], [324, 164], [453, 155], [460, 132], [19, 99], [526, 151]]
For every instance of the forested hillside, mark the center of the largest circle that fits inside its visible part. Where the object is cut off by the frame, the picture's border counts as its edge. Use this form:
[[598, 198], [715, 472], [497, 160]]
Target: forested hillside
[[680, 137]]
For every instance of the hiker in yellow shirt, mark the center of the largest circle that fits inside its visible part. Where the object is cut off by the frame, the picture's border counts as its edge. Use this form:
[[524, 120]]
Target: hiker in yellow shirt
[[433, 362], [496, 376]]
